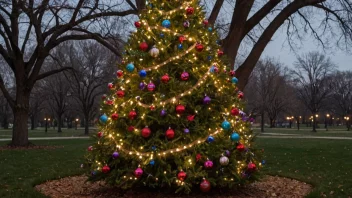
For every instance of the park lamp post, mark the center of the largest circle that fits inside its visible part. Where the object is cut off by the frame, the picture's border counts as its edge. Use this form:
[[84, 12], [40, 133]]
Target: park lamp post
[[347, 118], [290, 121], [326, 121], [46, 124], [76, 122]]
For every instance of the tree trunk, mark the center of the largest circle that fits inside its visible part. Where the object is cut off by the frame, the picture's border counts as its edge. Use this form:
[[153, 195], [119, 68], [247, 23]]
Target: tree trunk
[[86, 123], [32, 122], [314, 123], [272, 123], [20, 127], [59, 123], [262, 122]]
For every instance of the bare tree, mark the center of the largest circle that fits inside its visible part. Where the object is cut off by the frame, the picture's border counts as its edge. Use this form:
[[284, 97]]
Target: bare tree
[[311, 75], [341, 88], [31, 29], [36, 104]]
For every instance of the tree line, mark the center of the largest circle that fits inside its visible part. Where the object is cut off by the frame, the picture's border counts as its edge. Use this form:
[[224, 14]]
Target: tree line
[[312, 90]]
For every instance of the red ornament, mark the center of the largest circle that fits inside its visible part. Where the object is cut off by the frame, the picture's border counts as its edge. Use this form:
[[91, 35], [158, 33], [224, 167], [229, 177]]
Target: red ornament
[[240, 147], [205, 186], [103, 97], [165, 78], [181, 39], [132, 115], [90, 148], [180, 109], [114, 116], [198, 157], [205, 22], [119, 73], [152, 108], [235, 111], [105, 169], [240, 95], [251, 167], [170, 134], [232, 73], [109, 102], [199, 47], [137, 24], [100, 134], [146, 132], [184, 76], [190, 118], [189, 11], [182, 175], [110, 86], [138, 172], [130, 128], [123, 61], [220, 53], [143, 46], [120, 93]]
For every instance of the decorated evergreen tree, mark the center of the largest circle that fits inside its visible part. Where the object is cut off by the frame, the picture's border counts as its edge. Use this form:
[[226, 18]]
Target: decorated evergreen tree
[[173, 117]]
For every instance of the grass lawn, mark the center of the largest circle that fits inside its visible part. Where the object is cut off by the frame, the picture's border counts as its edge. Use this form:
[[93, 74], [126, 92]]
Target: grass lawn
[[324, 163], [40, 132], [332, 132]]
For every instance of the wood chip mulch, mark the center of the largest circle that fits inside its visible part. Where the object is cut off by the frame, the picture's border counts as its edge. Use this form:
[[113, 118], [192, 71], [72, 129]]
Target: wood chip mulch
[[77, 187]]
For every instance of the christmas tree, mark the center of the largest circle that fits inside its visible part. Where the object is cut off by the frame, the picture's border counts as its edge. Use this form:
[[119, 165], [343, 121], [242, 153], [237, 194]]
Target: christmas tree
[[174, 116]]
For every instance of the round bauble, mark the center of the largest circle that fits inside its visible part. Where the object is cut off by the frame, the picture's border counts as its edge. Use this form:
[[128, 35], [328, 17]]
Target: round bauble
[[186, 24], [235, 136], [199, 47], [208, 164], [251, 167], [165, 78], [234, 80], [100, 134], [232, 73], [115, 155], [189, 10], [109, 102], [214, 69], [105, 169], [210, 29], [103, 118], [182, 175], [141, 86], [111, 86], [152, 162], [170, 134], [205, 186], [225, 125], [143, 46], [220, 53], [163, 113], [210, 139], [138, 172], [227, 153], [206, 100], [181, 39], [114, 116], [130, 128], [166, 23], [154, 52], [240, 147], [90, 148], [142, 73], [103, 96], [180, 109], [186, 130], [151, 86], [152, 108], [184, 76], [130, 67], [119, 73], [224, 161], [162, 35], [205, 22], [235, 111], [240, 95], [132, 115], [137, 24], [120, 93], [180, 46], [145, 132]]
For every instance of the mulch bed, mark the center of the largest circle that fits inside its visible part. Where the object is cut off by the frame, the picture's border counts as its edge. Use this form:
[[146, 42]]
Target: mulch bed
[[77, 187], [30, 147]]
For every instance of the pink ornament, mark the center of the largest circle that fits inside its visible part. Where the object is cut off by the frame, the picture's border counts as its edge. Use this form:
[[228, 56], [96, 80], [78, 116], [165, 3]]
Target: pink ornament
[[138, 172], [208, 164], [205, 186], [184, 76], [90, 148], [186, 24], [151, 86]]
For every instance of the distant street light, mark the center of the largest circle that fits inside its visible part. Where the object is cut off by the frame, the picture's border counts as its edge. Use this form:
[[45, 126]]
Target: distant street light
[[46, 124], [76, 122], [326, 121]]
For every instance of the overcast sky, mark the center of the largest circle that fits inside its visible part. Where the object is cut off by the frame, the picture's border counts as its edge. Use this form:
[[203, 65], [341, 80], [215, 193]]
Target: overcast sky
[[279, 49]]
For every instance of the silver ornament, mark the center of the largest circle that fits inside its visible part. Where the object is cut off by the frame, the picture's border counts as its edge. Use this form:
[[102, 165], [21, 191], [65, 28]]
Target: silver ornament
[[224, 161]]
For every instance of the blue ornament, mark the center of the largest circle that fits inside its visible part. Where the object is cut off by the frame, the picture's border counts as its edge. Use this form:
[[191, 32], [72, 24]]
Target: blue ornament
[[130, 67], [210, 139], [94, 173], [152, 162], [234, 80], [210, 29], [142, 73], [186, 130], [213, 69], [218, 42], [225, 125], [162, 35], [210, 58], [235, 136], [153, 148], [166, 23], [103, 118], [180, 46], [263, 162]]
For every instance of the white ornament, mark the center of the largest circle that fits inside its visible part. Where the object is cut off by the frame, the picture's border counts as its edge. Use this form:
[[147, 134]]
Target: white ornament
[[154, 52], [224, 161]]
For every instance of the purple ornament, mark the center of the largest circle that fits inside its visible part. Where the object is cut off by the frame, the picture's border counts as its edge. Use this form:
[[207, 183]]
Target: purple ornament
[[251, 119], [227, 153], [186, 130], [115, 155], [208, 164], [141, 85], [206, 100], [245, 118], [163, 113]]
